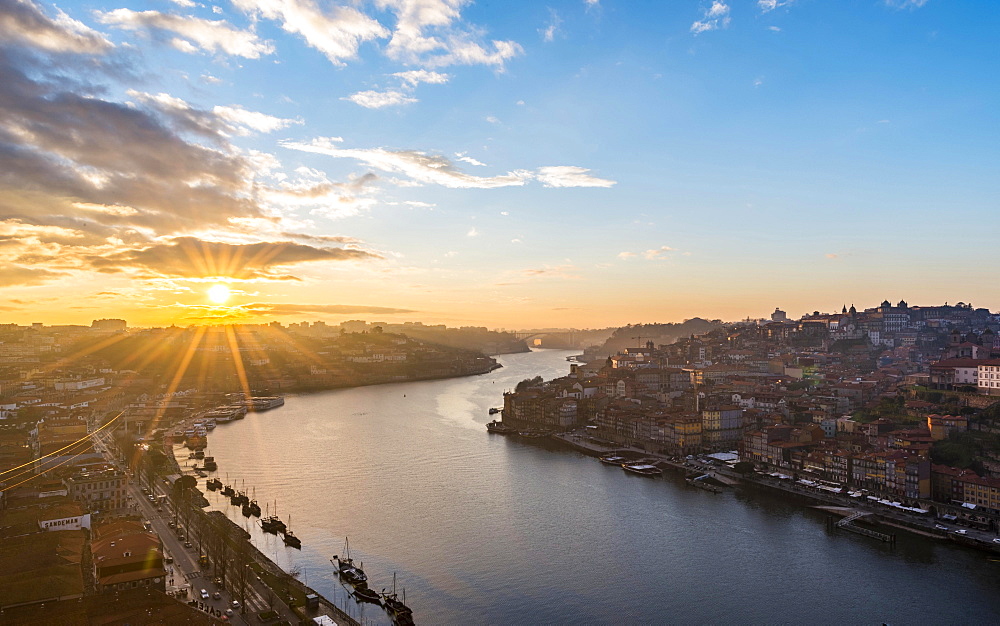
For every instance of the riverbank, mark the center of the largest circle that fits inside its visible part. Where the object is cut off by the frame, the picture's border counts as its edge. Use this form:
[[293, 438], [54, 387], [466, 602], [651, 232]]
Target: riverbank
[[281, 587], [925, 526]]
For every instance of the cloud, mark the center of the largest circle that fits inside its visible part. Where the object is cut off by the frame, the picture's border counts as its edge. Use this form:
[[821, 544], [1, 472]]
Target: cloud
[[342, 309], [321, 238], [657, 254], [380, 99], [626, 255], [714, 17], [189, 257], [549, 32], [192, 33], [418, 166], [832, 256], [15, 275], [261, 122], [415, 77], [492, 119], [570, 176], [461, 156], [766, 6], [435, 169], [428, 33], [775, 29], [337, 32], [24, 22], [566, 271], [905, 4], [60, 151], [472, 232], [218, 123]]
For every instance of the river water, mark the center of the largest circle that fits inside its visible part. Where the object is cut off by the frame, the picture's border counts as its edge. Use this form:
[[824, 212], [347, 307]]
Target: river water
[[487, 529]]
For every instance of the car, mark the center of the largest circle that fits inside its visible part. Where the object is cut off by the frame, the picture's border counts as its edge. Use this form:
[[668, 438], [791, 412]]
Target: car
[[229, 612], [997, 540], [171, 524], [940, 527], [961, 532], [204, 594], [187, 544], [217, 595], [235, 605]]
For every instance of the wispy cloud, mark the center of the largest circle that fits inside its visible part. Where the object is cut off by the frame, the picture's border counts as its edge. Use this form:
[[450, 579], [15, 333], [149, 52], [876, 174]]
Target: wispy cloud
[[415, 77], [766, 6], [906, 4], [714, 17], [23, 21], [657, 254], [549, 32], [570, 176], [380, 99], [192, 33], [418, 166]]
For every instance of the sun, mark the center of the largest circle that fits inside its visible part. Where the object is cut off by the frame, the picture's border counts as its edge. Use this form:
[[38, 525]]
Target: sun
[[218, 293]]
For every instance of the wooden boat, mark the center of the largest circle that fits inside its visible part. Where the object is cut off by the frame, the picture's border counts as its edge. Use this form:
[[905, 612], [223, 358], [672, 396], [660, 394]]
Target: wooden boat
[[397, 609], [362, 593], [348, 571]]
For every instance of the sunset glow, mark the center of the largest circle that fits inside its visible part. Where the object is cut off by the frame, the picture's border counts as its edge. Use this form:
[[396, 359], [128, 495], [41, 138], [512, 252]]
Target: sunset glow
[[218, 293]]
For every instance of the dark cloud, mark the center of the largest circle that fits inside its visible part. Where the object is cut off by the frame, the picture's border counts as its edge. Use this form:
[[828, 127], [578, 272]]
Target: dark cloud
[[189, 257]]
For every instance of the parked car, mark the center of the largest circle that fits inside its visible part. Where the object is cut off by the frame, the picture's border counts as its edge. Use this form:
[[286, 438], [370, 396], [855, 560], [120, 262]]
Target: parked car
[[961, 532], [997, 540], [204, 594], [217, 595], [236, 605]]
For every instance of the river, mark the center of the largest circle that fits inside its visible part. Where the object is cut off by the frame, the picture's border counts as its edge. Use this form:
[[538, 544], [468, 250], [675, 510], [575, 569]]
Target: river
[[487, 529]]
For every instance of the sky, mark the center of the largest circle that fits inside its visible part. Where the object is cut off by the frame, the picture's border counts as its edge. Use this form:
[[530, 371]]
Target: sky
[[514, 164]]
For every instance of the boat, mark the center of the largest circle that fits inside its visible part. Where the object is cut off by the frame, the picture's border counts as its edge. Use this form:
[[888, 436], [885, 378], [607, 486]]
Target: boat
[[254, 508], [289, 537], [643, 469], [396, 608], [210, 464], [348, 571], [499, 427], [265, 403], [362, 593], [228, 491], [213, 484], [272, 523], [612, 459]]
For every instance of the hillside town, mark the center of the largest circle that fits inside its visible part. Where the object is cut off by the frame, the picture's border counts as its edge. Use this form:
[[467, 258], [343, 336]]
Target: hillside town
[[893, 402], [88, 420]]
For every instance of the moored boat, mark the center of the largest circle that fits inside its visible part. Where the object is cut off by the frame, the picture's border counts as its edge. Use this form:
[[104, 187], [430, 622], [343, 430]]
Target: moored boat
[[348, 571], [363, 594], [397, 609], [612, 459], [643, 469], [499, 427]]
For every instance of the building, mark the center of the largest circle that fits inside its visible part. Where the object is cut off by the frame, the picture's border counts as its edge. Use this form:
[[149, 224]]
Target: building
[[126, 556]]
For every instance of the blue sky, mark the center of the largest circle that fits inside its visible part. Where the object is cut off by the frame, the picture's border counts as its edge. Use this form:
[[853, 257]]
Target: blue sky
[[508, 164]]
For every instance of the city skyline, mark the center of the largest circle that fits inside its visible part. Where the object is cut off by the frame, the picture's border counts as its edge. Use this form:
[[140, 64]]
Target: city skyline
[[585, 163]]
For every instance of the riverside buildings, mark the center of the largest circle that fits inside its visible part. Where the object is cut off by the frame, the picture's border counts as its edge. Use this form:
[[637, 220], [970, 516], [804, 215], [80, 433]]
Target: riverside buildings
[[846, 398]]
